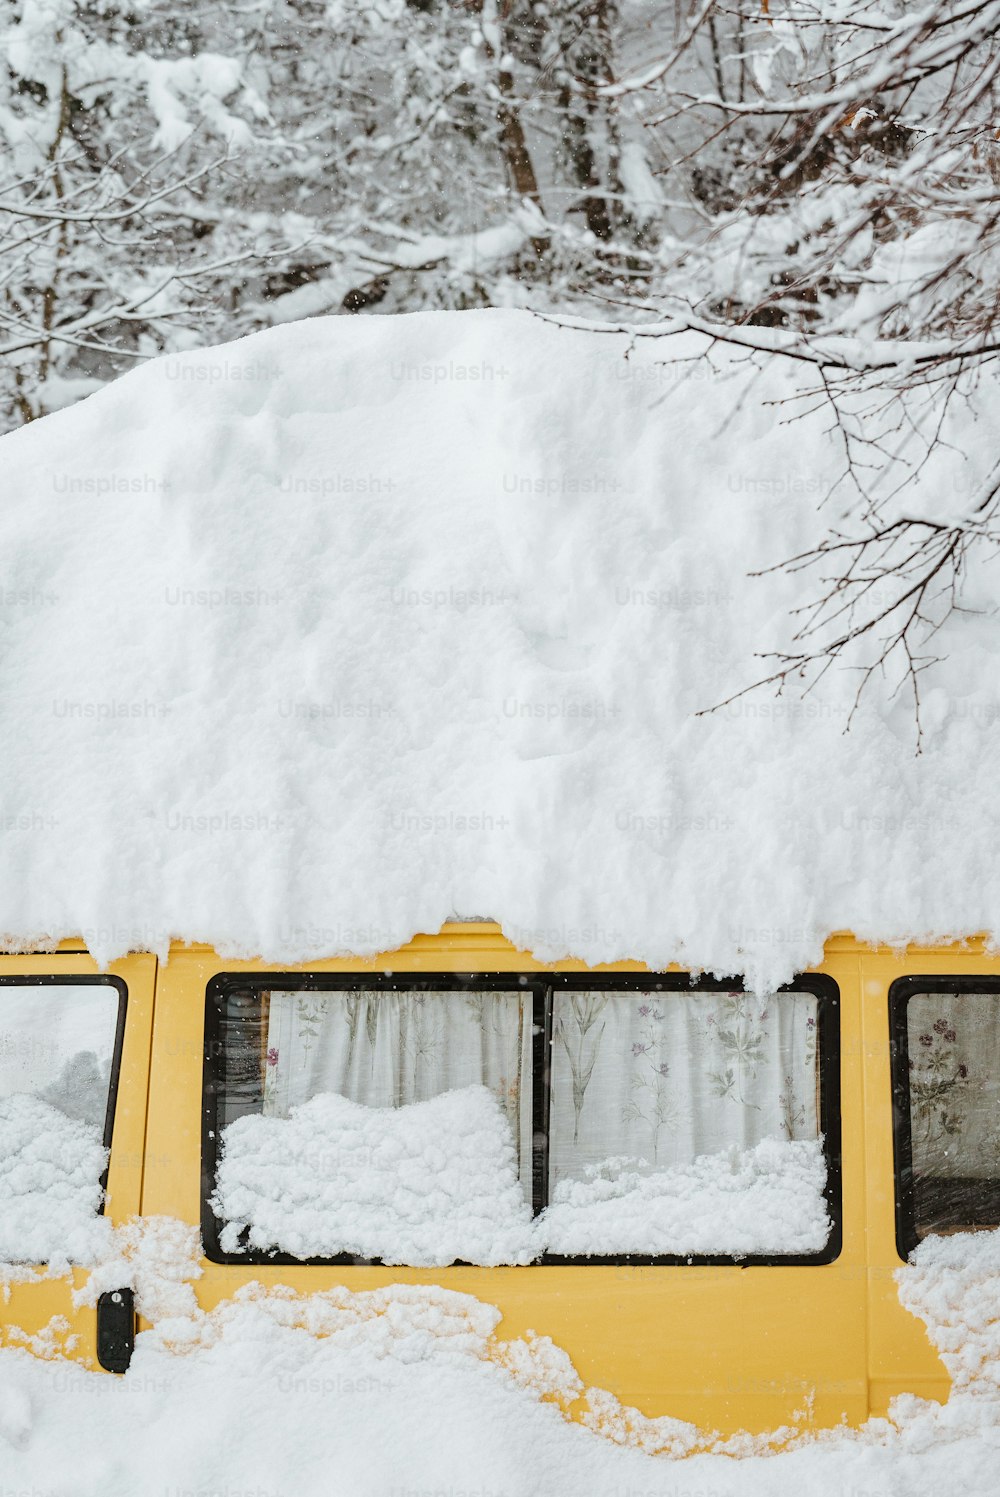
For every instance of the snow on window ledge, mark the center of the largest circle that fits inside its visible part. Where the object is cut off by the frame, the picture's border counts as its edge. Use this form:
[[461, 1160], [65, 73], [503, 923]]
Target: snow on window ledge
[[424, 1184], [436, 1182], [763, 1200], [50, 1183]]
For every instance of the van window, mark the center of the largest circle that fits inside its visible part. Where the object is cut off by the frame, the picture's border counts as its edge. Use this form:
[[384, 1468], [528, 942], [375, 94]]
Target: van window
[[946, 1060], [506, 1120], [59, 1044], [390, 1123], [515, 1119], [660, 1099], [386, 1050]]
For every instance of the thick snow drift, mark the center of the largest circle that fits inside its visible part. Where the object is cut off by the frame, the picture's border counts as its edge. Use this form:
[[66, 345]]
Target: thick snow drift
[[316, 639], [425, 1184], [271, 1392], [436, 1182], [50, 1184], [768, 1199], [953, 1285]]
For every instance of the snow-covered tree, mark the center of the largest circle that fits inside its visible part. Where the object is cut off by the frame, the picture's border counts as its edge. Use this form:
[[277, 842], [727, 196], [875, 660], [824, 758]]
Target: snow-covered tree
[[176, 171], [171, 174], [845, 162], [107, 154]]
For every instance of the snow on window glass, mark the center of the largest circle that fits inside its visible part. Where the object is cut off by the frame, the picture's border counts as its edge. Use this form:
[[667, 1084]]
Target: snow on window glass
[[398, 1125], [766, 1200], [953, 1078], [379, 1124], [427, 1184], [56, 1054]]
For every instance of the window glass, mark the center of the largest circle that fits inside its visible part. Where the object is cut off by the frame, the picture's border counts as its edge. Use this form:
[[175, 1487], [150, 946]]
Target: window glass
[[432, 1126], [378, 1124], [953, 1081], [57, 1043], [686, 1122], [57, 1047]]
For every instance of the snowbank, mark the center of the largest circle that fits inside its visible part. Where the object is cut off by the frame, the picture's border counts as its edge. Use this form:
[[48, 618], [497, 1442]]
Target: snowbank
[[409, 1390], [424, 1184], [436, 1182], [316, 639], [768, 1199], [953, 1284], [50, 1185]]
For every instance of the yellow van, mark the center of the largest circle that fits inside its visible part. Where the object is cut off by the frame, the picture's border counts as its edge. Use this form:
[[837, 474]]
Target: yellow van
[[854, 1110]]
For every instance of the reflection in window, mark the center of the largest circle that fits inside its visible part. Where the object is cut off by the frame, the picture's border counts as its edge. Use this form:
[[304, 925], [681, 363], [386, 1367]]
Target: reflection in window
[[57, 1046], [58, 1043]]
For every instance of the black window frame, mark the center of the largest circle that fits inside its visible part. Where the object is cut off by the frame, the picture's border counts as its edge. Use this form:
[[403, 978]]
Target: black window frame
[[84, 979], [541, 985], [900, 993]]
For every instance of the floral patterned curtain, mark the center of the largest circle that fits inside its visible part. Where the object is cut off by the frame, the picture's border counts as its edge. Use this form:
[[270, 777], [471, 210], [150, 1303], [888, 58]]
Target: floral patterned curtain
[[387, 1049], [953, 1040], [651, 1078], [661, 1078]]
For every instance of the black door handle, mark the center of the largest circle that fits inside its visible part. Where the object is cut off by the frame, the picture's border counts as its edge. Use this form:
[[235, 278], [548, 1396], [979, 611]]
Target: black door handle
[[115, 1329]]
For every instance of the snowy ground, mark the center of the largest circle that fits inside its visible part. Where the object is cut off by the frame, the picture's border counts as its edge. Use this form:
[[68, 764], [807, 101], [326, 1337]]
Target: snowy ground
[[353, 1425], [404, 1392], [271, 1410]]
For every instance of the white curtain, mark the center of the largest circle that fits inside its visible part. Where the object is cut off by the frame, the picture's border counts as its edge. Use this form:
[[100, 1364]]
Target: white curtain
[[953, 1041], [660, 1078], [387, 1049], [653, 1078]]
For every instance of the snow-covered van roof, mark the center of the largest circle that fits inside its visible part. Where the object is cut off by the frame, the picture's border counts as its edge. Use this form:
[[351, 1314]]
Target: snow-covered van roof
[[317, 639]]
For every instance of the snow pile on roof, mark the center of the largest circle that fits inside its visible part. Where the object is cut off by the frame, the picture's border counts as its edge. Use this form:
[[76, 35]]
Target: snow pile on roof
[[50, 1185], [767, 1199], [436, 1182], [426, 1184], [316, 639]]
